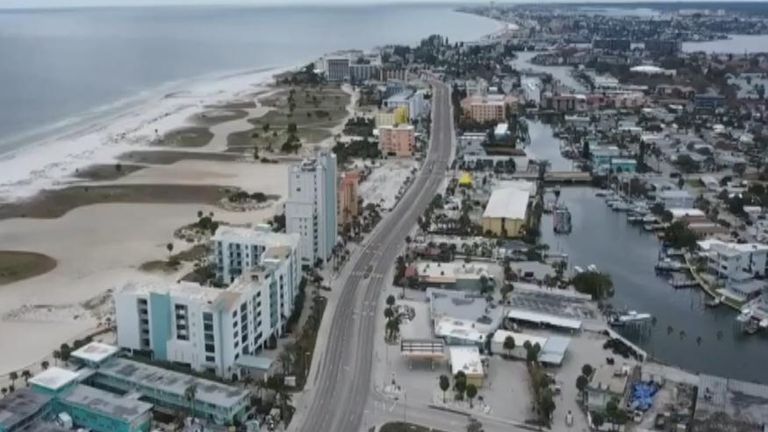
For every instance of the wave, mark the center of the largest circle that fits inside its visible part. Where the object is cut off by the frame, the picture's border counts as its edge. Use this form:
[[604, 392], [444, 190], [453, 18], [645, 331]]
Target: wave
[[47, 157]]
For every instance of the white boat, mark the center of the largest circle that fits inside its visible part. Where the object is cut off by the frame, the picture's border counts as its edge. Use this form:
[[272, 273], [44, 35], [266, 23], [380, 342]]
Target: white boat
[[649, 219], [577, 269], [620, 206], [592, 268]]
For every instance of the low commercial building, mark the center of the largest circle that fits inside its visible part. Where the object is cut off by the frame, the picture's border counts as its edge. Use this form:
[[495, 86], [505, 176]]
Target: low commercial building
[[397, 140], [454, 275], [543, 319], [552, 349], [167, 389], [60, 391], [467, 359], [729, 405], [26, 410], [663, 47], [607, 383], [506, 212]]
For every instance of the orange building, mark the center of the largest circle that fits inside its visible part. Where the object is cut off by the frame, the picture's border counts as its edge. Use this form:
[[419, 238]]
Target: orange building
[[488, 108], [349, 209], [397, 140]]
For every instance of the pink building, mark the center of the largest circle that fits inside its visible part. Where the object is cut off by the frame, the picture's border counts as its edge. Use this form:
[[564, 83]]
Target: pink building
[[397, 140], [349, 208]]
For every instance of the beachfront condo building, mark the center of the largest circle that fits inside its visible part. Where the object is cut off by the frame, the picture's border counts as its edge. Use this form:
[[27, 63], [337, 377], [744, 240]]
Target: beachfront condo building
[[349, 198], [238, 249], [310, 210], [217, 330], [397, 140], [484, 109], [337, 69]]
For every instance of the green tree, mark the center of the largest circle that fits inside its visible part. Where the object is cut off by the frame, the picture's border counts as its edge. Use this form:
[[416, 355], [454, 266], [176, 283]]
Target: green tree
[[509, 345], [460, 384], [596, 284], [471, 393], [445, 384], [292, 128], [597, 419], [390, 300], [169, 246], [587, 370], [13, 376], [678, 235], [44, 365]]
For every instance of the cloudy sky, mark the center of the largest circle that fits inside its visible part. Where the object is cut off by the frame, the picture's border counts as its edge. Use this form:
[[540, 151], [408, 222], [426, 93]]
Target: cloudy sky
[[78, 3]]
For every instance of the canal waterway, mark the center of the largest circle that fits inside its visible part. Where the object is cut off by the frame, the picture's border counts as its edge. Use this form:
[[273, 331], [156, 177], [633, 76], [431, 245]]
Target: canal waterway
[[544, 145], [736, 44], [604, 238], [560, 73]]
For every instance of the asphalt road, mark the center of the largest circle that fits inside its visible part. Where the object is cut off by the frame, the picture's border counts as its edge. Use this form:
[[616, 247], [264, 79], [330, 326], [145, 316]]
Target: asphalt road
[[344, 379]]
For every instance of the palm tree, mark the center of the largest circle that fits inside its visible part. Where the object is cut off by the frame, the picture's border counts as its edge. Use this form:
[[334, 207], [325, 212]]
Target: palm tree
[[13, 376], [56, 357], [169, 246], [190, 393], [445, 384], [44, 365], [509, 345], [4, 391], [471, 393], [26, 374]]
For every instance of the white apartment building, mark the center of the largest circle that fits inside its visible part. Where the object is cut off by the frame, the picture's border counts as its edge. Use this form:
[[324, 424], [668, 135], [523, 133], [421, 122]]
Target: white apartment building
[[735, 261], [237, 250], [310, 210], [210, 329], [675, 199]]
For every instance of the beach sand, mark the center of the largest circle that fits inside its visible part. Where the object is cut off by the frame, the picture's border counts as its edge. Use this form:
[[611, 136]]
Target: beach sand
[[102, 224]]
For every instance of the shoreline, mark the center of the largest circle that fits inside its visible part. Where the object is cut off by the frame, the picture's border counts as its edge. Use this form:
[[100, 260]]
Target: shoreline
[[110, 221], [51, 161]]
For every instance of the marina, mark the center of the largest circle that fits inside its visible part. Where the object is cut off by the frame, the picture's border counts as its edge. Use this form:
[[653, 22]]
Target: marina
[[687, 328]]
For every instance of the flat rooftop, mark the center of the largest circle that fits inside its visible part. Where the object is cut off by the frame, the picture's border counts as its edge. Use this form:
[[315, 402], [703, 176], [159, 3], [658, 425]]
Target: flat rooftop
[[463, 306], [18, 406], [732, 405], [95, 352], [465, 359], [110, 404], [172, 382], [258, 235], [509, 203], [54, 378]]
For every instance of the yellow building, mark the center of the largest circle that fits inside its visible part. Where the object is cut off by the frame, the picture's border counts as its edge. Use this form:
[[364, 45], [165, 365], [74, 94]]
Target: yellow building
[[506, 212], [465, 179], [385, 119], [402, 115]]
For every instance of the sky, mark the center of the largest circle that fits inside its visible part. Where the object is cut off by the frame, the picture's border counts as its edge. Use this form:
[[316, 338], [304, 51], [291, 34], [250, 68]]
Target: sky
[[86, 3]]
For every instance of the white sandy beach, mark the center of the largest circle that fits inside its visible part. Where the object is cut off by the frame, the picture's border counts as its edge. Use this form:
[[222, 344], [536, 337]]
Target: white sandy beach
[[45, 163], [100, 247]]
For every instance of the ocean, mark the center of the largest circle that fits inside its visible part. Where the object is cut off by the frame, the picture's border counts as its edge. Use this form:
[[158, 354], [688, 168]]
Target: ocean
[[65, 73]]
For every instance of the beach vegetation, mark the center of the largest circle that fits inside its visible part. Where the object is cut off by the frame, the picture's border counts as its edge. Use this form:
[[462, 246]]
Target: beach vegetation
[[18, 265]]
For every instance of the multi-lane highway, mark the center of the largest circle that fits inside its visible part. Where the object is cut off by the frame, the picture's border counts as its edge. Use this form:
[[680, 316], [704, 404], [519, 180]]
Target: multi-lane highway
[[340, 394]]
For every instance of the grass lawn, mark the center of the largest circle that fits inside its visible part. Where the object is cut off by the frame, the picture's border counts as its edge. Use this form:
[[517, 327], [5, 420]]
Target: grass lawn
[[17, 265], [405, 427]]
